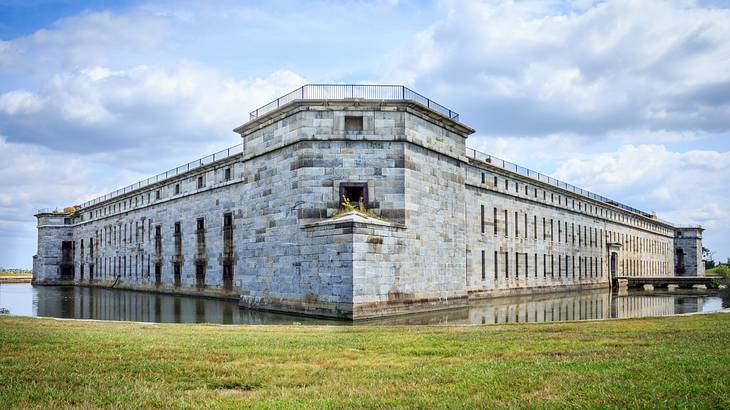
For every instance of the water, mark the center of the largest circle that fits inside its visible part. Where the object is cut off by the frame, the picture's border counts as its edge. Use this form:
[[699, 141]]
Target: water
[[110, 304]]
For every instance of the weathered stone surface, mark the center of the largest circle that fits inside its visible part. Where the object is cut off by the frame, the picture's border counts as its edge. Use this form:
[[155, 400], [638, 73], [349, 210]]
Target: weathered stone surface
[[432, 245]]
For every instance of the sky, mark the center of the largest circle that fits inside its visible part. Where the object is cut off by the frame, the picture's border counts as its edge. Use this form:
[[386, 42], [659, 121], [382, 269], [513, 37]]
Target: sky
[[628, 99]]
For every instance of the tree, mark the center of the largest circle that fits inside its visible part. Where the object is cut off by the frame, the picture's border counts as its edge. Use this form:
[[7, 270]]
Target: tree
[[707, 256]]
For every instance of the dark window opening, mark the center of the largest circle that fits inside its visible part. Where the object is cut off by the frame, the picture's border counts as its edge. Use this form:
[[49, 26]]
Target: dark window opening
[[200, 235], [228, 276], [200, 276], [353, 123], [355, 192], [227, 174], [177, 189], [227, 236], [201, 182], [158, 275], [176, 274]]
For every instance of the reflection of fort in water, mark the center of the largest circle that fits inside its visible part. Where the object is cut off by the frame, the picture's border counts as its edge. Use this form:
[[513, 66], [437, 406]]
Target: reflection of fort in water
[[106, 304]]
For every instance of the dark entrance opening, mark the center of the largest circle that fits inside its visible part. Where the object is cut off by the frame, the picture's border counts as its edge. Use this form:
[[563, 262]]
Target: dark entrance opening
[[354, 192], [67, 260], [614, 263], [176, 274], [680, 262], [158, 275], [228, 276], [200, 276]]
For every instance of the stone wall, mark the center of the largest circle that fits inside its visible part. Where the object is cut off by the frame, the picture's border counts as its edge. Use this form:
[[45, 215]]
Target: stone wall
[[428, 240], [688, 251]]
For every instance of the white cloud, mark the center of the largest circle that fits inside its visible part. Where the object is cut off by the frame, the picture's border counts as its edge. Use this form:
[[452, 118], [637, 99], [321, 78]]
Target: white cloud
[[20, 102], [536, 68], [682, 187], [97, 109]]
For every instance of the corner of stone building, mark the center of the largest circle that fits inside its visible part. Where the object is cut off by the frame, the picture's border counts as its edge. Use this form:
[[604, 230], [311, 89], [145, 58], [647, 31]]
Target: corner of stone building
[[688, 251]]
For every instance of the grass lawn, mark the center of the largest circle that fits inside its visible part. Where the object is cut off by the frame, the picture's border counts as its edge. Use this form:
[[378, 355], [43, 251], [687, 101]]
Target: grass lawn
[[656, 362]]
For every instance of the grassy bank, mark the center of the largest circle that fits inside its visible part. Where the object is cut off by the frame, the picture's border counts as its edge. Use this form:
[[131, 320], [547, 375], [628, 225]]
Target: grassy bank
[[16, 273], [677, 361]]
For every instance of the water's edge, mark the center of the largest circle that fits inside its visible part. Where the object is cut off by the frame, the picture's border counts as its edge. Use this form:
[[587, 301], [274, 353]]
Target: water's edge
[[88, 303]]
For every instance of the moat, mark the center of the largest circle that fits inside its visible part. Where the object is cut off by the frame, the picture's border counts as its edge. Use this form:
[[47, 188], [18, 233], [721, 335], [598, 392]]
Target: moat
[[70, 302]]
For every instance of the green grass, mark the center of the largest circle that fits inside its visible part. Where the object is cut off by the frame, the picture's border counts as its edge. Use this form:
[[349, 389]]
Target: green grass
[[657, 362]]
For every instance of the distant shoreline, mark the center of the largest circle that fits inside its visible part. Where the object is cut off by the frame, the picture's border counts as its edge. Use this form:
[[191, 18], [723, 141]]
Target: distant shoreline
[[16, 279]]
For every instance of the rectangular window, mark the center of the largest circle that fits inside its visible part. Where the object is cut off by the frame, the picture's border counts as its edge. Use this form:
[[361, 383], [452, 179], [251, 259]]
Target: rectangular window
[[484, 178], [482, 219], [484, 266], [572, 262], [495, 221], [552, 230], [534, 225], [177, 189], [201, 182], [525, 225], [353, 123], [560, 231], [552, 266], [227, 174], [506, 265], [495, 268], [517, 225], [535, 267], [157, 194]]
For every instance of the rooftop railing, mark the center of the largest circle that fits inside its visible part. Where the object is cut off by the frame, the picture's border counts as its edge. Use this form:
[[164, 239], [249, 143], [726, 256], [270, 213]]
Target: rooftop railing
[[353, 91], [506, 165], [226, 153]]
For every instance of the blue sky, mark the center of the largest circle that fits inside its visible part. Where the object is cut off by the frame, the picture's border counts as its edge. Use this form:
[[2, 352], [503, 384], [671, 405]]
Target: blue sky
[[628, 99]]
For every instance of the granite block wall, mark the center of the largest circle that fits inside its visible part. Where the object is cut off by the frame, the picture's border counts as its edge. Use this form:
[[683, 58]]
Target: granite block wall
[[440, 228]]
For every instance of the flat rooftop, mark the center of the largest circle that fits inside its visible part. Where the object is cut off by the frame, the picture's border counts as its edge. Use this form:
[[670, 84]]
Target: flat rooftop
[[353, 92]]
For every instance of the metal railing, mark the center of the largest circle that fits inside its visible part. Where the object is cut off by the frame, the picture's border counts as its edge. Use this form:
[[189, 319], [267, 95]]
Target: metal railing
[[226, 153], [353, 91], [506, 165]]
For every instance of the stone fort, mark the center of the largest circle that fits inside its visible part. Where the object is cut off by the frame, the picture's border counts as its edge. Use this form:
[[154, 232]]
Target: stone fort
[[356, 201]]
